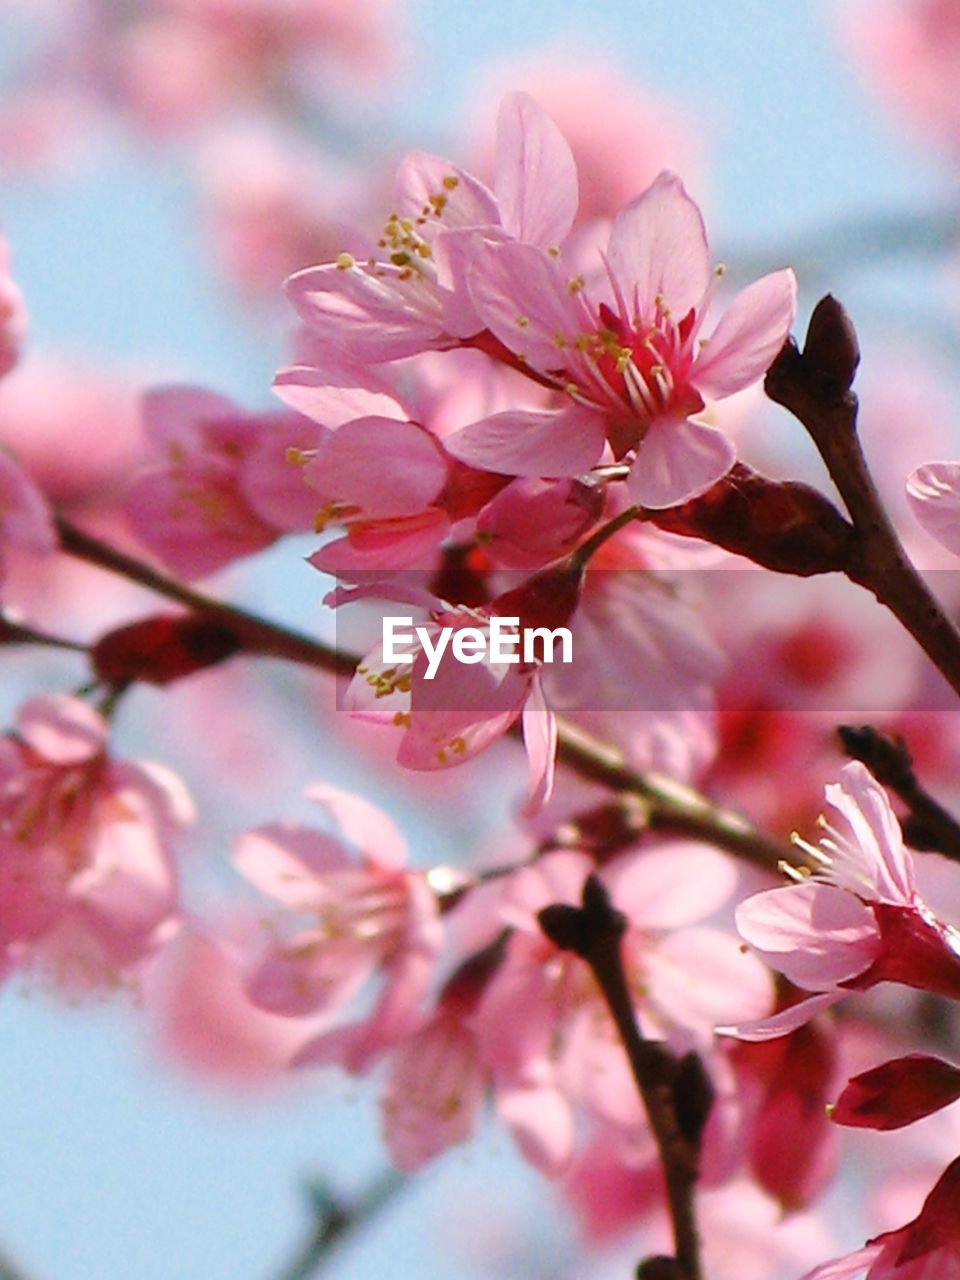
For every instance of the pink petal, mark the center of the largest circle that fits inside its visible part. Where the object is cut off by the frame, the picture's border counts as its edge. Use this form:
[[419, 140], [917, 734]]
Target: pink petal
[[529, 442], [61, 729], [849, 1266], [671, 886], [814, 934], [175, 415], [524, 298], [536, 176], [887, 864], [540, 742], [658, 249], [423, 180], [285, 862], [782, 1023], [753, 329], [381, 466], [362, 825], [934, 494], [699, 977], [310, 392], [25, 517], [556, 877], [375, 316], [541, 1123], [677, 461], [408, 542]]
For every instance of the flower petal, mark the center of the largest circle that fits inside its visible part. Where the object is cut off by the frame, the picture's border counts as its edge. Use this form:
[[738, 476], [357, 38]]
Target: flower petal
[[934, 494], [536, 176], [753, 329], [677, 461], [658, 249], [531, 442]]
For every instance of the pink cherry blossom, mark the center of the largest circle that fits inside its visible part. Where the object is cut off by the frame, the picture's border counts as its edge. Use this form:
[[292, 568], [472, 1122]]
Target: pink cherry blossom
[[352, 913], [407, 292], [225, 489], [460, 709], [857, 921], [542, 1022], [626, 353], [88, 883]]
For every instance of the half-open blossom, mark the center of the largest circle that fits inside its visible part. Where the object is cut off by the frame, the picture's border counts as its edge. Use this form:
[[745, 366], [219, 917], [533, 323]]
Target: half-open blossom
[[626, 351], [353, 913], [86, 871], [928, 1248], [858, 920], [406, 292]]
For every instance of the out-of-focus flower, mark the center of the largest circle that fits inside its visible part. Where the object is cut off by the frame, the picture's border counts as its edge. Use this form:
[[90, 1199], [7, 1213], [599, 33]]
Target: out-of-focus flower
[[354, 913], [225, 488], [88, 884], [25, 519]]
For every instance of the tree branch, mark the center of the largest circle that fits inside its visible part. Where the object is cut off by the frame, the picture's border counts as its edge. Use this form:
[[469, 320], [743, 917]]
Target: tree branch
[[814, 386]]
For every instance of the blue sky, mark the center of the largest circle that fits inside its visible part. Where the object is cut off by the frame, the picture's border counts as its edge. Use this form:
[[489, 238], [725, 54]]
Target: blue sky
[[112, 1170]]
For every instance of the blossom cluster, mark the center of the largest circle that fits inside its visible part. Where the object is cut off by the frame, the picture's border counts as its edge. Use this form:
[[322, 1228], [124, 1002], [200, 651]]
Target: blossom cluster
[[508, 405]]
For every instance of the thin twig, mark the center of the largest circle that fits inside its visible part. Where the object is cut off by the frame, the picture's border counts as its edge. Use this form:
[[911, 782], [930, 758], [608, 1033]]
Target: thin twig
[[814, 386], [334, 1221], [675, 1092], [673, 807]]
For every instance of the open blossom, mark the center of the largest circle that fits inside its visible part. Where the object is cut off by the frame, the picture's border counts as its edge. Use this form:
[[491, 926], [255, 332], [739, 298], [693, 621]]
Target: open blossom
[[542, 1023], [87, 871], [407, 293], [928, 1248], [353, 913], [626, 352], [451, 710], [857, 921], [224, 489]]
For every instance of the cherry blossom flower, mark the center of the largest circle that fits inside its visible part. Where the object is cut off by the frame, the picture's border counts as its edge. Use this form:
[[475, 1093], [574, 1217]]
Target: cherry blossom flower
[[542, 1022], [928, 1248], [406, 293], [626, 353], [88, 881], [857, 921], [364, 916], [459, 709], [225, 489]]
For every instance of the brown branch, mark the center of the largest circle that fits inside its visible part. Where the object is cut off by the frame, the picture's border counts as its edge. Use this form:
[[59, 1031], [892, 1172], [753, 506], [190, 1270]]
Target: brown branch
[[815, 386], [928, 825], [676, 1093], [673, 808]]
